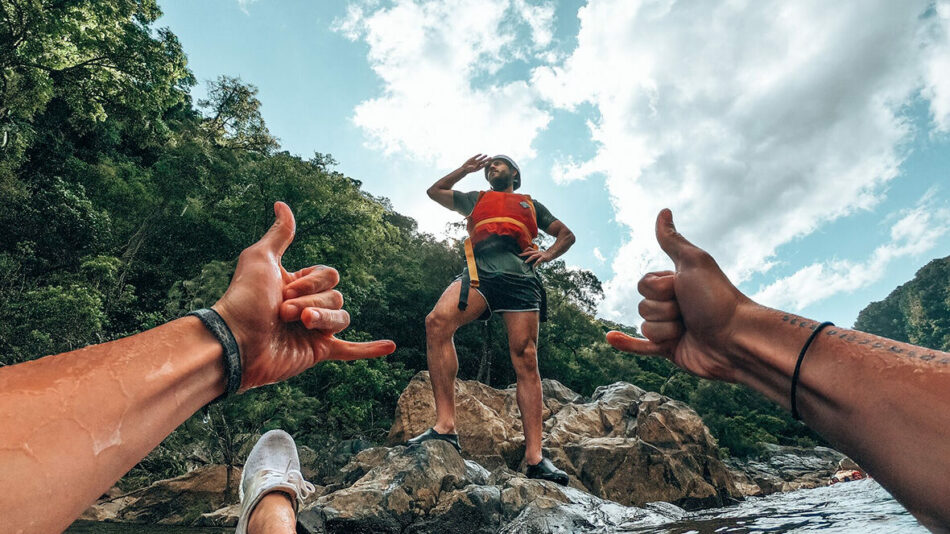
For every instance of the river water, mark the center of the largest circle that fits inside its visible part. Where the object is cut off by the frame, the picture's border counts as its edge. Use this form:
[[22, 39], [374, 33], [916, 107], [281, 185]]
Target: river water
[[861, 506]]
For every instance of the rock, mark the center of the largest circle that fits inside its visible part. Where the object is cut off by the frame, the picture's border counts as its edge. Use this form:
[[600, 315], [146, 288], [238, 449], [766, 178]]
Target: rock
[[318, 467], [588, 514], [785, 469], [184, 499], [310, 464], [624, 444], [847, 464], [393, 488], [487, 419], [552, 389], [106, 509], [224, 517], [431, 489]]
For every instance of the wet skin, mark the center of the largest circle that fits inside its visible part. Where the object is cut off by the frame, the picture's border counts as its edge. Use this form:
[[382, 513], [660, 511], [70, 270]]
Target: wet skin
[[890, 414], [74, 423]]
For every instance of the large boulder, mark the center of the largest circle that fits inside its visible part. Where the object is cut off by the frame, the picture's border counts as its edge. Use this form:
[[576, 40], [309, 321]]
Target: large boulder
[[431, 489], [182, 500], [487, 419], [781, 468], [108, 507], [224, 517], [624, 444]]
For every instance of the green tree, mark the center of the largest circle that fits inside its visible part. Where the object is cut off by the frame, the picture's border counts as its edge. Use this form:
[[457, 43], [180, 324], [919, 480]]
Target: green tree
[[917, 312]]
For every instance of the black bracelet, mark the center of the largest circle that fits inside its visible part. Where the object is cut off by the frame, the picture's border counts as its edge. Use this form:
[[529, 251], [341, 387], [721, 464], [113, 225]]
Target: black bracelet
[[798, 366], [232, 355]]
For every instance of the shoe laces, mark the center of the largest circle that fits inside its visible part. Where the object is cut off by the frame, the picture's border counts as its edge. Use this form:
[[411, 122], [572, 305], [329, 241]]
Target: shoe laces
[[290, 476]]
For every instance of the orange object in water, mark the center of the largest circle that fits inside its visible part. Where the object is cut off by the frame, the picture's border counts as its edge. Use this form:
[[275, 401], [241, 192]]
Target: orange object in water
[[507, 214]]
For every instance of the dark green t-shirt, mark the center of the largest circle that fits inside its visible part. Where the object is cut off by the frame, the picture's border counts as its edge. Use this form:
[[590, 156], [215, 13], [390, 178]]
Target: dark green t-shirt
[[499, 254]]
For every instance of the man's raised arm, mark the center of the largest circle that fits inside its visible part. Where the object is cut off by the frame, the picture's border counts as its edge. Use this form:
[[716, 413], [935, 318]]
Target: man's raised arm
[[441, 191]]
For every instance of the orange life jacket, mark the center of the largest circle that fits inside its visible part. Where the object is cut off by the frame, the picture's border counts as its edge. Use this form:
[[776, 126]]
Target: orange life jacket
[[508, 214], [498, 213]]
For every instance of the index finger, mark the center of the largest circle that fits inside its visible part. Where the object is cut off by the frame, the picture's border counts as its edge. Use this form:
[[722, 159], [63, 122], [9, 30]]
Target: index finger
[[657, 286], [312, 280]]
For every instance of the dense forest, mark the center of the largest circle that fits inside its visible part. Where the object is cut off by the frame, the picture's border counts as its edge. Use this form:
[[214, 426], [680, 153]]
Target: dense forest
[[917, 312], [124, 204]]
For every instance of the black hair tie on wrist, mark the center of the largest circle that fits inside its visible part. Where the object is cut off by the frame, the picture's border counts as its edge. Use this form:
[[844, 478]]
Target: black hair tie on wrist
[[232, 355], [798, 366]]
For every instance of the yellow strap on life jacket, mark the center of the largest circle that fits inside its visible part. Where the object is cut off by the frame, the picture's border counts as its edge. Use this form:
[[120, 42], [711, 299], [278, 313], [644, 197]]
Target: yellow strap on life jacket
[[515, 222], [470, 260]]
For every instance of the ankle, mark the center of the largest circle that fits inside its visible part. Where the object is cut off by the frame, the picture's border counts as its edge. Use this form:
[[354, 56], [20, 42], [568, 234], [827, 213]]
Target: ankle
[[533, 459], [274, 514], [444, 428]]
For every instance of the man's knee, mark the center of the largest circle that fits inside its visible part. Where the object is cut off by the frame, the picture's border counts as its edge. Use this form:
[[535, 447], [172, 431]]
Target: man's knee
[[525, 359], [438, 325]]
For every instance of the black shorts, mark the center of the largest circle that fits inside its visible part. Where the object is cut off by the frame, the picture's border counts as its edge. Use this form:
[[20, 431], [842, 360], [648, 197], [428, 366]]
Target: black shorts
[[509, 293]]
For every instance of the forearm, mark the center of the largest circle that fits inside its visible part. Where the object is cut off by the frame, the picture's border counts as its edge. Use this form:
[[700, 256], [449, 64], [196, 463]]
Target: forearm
[[74, 423], [448, 181], [562, 243], [884, 403]]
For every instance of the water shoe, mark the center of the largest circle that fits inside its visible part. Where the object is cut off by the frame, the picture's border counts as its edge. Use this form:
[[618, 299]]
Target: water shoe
[[545, 470], [453, 439]]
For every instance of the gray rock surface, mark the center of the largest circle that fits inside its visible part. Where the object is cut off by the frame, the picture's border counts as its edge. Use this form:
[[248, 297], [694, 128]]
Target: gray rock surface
[[786, 469], [432, 489], [623, 444]]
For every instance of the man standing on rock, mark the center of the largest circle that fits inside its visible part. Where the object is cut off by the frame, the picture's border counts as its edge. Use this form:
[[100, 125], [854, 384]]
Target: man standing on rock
[[499, 277]]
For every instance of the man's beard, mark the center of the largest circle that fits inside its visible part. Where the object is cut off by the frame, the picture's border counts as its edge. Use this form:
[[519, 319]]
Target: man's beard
[[500, 182]]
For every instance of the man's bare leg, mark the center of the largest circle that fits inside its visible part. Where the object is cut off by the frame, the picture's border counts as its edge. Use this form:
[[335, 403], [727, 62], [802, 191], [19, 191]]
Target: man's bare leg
[[441, 324], [523, 347], [274, 514]]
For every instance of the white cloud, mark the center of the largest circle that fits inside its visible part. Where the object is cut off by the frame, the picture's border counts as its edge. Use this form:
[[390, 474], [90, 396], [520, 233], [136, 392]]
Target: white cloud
[[915, 233], [442, 99], [756, 122], [937, 73], [541, 20], [599, 255]]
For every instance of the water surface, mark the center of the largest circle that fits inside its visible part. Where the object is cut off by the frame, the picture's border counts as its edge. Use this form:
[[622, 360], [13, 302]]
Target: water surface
[[861, 506]]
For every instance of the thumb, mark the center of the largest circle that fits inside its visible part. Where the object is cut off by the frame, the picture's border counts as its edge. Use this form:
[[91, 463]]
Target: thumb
[[281, 233], [671, 241]]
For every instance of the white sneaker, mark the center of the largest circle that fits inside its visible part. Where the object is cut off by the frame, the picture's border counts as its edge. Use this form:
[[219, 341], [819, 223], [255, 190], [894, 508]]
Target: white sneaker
[[272, 465]]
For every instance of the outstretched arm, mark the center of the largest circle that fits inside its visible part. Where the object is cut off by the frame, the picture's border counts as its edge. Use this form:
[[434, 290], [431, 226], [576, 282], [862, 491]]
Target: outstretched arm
[[563, 240], [74, 423], [890, 412], [441, 191]]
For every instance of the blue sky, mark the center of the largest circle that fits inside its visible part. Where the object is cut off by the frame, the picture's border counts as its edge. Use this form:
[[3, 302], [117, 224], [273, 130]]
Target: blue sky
[[806, 145]]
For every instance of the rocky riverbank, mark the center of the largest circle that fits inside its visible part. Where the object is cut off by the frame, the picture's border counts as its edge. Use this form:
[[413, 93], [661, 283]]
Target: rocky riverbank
[[633, 456]]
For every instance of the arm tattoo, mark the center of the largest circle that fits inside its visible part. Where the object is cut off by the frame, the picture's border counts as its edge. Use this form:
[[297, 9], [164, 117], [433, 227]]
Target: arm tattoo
[[860, 338]]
